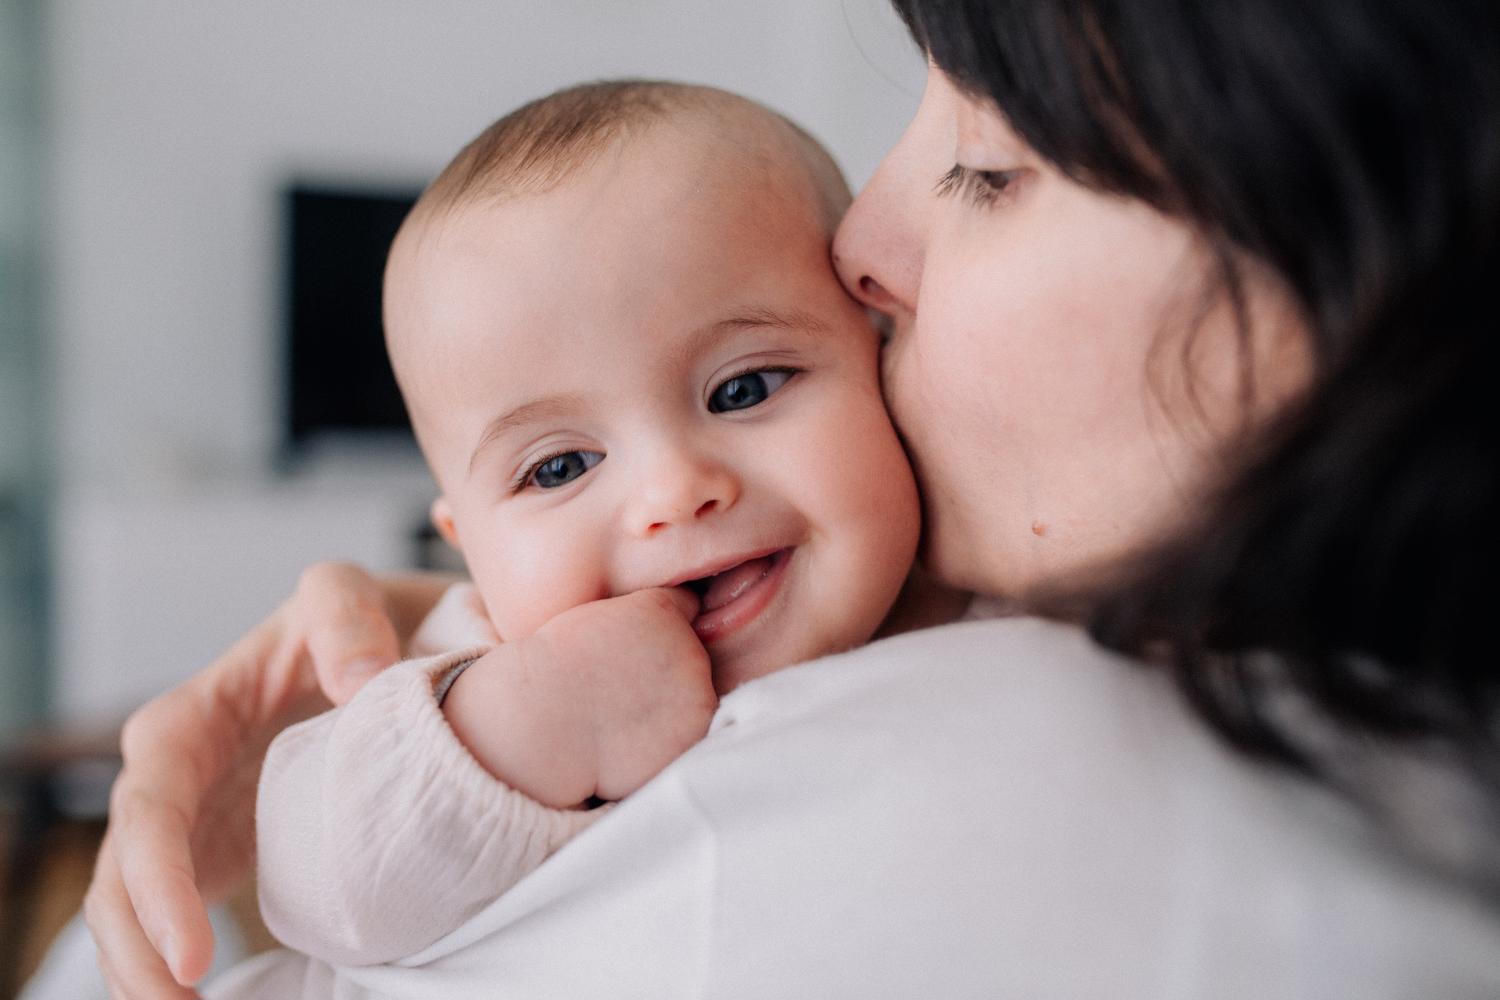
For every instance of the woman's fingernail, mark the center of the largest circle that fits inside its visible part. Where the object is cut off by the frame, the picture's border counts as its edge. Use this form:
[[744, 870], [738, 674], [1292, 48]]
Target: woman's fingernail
[[171, 954]]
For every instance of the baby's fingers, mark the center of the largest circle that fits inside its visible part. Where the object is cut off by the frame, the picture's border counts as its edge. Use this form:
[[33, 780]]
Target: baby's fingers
[[679, 599], [132, 966]]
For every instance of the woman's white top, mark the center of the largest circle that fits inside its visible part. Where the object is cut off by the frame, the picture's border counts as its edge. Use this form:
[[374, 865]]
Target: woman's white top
[[988, 809]]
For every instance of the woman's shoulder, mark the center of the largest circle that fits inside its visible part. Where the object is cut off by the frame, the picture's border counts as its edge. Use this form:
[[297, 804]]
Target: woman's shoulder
[[993, 808], [1054, 792], [985, 663], [1021, 706]]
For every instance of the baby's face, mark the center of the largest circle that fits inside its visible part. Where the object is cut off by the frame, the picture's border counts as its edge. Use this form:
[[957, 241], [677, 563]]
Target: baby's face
[[650, 377]]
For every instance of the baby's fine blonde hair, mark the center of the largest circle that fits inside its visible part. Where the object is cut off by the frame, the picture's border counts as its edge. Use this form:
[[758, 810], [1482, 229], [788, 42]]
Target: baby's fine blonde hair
[[539, 145]]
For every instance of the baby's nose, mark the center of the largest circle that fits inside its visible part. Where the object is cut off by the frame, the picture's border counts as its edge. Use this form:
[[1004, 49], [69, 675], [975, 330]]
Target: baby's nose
[[680, 489]]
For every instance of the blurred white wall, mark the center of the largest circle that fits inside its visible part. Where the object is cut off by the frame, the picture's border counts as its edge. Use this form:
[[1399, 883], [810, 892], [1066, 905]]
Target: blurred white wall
[[174, 124]]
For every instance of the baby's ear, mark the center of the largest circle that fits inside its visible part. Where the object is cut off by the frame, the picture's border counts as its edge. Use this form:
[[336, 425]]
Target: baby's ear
[[442, 520]]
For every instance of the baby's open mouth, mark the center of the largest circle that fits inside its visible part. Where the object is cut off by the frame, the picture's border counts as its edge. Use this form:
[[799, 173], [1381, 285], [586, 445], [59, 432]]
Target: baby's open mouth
[[727, 585]]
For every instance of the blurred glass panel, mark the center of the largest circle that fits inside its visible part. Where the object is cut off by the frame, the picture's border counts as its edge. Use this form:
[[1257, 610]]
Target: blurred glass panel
[[23, 587]]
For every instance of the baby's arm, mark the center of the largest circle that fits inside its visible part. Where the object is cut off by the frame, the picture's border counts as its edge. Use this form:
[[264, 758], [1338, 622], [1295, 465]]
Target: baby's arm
[[597, 702], [377, 833]]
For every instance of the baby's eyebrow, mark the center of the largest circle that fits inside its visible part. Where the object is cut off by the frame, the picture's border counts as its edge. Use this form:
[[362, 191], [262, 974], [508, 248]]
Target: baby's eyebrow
[[791, 319], [545, 408], [786, 319]]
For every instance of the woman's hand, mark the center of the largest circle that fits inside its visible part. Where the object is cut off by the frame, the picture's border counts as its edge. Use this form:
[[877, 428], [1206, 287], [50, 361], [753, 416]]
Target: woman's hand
[[181, 829]]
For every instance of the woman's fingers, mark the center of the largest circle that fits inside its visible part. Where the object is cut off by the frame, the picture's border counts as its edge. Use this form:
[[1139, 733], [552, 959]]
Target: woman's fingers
[[149, 920], [153, 807], [180, 814], [156, 866], [131, 965], [350, 637]]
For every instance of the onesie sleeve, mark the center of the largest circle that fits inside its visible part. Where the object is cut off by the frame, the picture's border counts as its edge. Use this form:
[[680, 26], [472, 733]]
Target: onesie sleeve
[[378, 833]]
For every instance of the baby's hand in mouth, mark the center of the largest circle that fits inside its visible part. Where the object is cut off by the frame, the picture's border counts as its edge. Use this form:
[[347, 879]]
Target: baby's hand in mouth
[[595, 703], [641, 681]]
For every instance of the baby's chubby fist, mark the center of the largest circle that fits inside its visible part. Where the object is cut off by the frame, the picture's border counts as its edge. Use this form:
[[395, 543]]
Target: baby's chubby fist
[[640, 679], [595, 703]]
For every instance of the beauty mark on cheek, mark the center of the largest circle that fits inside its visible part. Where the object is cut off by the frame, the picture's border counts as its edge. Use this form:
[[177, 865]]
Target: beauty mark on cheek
[[1038, 529]]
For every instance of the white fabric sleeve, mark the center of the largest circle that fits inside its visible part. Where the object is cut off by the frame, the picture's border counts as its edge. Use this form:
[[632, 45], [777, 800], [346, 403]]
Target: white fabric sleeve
[[378, 833]]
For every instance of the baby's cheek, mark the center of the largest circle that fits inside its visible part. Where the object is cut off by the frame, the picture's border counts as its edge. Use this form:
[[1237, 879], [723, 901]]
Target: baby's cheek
[[870, 510], [885, 498], [884, 457], [535, 582]]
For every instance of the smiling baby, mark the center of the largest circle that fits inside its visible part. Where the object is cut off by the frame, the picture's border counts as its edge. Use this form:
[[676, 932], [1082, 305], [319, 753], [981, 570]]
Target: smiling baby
[[654, 417]]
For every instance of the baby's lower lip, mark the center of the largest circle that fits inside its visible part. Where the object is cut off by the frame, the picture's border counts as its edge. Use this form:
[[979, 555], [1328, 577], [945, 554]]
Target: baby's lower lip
[[746, 604]]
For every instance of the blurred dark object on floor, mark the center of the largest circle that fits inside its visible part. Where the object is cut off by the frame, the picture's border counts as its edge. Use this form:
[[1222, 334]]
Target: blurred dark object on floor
[[54, 796]]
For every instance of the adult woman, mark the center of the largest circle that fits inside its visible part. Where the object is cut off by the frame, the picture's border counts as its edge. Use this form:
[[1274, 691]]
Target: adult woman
[[1183, 343]]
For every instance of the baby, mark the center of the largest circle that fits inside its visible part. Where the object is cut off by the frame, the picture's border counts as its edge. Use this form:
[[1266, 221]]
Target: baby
[[655, 420]]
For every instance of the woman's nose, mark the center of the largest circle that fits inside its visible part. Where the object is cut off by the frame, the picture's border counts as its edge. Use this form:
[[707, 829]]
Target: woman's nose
[[681, 487], [879, 248]]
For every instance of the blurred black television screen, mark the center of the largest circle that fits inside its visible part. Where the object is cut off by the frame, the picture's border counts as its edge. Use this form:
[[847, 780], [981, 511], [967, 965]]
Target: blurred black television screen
[[339, 384]]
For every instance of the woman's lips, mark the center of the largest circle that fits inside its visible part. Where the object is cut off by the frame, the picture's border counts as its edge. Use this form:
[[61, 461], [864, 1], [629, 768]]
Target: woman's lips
[[733, 598]]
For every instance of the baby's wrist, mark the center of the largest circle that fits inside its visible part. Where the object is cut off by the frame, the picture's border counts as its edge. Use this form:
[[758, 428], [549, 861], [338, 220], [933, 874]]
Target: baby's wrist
[[520, 728]]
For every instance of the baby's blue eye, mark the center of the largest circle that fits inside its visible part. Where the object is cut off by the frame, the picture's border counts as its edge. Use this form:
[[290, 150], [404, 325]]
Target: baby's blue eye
[[560, 470], [747, 390]]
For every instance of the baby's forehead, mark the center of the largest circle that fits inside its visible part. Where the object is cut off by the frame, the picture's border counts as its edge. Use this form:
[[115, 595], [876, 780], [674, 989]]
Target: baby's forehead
[[737, 175], [754, 177]]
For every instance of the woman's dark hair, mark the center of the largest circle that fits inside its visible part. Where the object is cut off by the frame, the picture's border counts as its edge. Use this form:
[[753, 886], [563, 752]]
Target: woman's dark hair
[[1354, 147]]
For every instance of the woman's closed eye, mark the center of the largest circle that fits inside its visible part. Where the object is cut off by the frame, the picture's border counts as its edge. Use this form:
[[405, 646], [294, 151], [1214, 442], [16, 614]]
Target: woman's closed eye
[[748, 389], [981, 187], [558, 469]]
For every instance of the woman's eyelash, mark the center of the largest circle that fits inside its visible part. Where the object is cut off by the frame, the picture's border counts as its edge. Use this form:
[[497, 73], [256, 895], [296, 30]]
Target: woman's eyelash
[[981, 187]]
